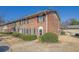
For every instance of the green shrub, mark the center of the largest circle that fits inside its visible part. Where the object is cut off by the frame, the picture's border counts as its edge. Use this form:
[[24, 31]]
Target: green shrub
[[62, 33], [29, 37], [22, 36], [25, 37], [1, 32], [8, 33], [16, 34], [49, 37], [5, 33]]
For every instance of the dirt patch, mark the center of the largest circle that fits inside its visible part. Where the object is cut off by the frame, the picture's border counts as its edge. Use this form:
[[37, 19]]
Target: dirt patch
[[66, 44], [11, 40], [67, 38]]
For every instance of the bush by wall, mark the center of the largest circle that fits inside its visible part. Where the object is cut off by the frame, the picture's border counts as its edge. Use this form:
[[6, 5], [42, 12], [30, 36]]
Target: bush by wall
[[49, 37], [25, 37], [16, 34], [19, 35], [5, 32], [29, 37]]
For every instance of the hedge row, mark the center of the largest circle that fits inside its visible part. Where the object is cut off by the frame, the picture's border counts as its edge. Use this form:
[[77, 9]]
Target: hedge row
[[25, 37], [5, 32], [22, 36], [47, 37]]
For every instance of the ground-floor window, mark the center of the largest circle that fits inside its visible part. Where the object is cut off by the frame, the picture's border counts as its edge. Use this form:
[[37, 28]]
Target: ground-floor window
[[33, 31], [29, 31], [14, 29], [22, 30], [17, 29]]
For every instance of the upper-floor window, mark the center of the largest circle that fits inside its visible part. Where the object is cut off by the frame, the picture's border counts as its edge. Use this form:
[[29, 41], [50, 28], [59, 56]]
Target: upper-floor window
[[22, 21], [14, 24], [40, 18], [28, 21]]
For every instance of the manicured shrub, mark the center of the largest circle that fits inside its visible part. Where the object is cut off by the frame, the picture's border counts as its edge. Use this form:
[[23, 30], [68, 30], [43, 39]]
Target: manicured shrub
[[16, 34], [22, 36], [49, 37], [1, 32], [5, 33], [25, 37], [8, 33], [62, 33], [29, 37], [34, 37]]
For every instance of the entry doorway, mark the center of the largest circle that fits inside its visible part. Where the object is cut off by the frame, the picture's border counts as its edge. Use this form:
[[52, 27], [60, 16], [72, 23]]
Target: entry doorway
[[40, 30]]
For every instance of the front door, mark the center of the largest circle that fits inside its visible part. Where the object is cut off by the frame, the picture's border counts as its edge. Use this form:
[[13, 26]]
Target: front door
[[40, 31]]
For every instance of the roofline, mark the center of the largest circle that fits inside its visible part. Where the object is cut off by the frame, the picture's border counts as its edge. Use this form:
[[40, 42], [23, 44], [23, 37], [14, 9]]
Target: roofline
[[33, 15]]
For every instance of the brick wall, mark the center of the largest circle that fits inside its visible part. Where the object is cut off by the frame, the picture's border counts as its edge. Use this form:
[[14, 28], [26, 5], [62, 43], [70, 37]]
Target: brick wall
[[53, 23]]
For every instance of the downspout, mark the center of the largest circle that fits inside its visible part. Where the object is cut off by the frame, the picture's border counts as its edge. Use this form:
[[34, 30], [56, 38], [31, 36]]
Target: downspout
[[46, 23]]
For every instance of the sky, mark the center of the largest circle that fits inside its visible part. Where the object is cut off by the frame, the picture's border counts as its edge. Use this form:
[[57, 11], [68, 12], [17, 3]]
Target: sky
[[11, 13]]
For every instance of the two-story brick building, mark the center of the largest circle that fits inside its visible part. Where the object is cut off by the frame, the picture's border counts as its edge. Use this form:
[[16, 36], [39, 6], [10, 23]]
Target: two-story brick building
[[39, 23]]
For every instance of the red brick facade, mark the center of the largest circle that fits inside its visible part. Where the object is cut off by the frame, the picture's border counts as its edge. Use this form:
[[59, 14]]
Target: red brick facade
[[40, 23]]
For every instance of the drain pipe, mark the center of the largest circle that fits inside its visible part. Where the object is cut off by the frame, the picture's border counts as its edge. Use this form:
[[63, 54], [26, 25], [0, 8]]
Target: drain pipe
[[46, 23]]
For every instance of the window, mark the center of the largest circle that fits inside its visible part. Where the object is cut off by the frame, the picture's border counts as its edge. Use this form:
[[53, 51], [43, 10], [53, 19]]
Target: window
[[40, 18], [24, 31], [33, 31], [27, 31], [24, 21], [30, 31], [17, 29], [20, 22], [14, 24], [27, 21], [14, 29]]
